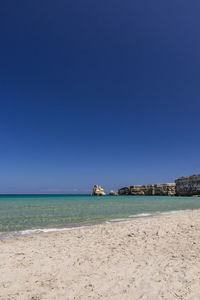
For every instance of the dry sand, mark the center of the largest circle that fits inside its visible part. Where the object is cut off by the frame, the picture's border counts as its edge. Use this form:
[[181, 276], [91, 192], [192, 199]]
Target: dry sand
[[146, 258]]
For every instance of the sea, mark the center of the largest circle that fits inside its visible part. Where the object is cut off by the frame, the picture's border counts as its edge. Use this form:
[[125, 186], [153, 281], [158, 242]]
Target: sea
[[27, 214]]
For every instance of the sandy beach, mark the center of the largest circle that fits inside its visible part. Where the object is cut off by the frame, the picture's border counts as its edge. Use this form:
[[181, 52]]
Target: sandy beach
[[143, 258]]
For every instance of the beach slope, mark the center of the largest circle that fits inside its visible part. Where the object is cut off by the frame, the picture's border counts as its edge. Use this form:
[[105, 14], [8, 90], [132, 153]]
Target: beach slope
[[143, 258]]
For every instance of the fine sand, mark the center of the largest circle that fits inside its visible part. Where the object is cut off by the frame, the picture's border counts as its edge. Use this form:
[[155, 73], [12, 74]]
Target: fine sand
[[143, 258]]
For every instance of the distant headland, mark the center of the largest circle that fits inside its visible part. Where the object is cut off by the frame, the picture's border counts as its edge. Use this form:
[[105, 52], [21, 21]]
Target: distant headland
[[183, 186]]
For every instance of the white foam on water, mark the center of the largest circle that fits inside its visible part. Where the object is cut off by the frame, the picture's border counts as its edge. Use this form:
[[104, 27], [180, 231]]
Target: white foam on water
[[5, 235], [117, 220], [141, 215], [159, 213], [174, 211]]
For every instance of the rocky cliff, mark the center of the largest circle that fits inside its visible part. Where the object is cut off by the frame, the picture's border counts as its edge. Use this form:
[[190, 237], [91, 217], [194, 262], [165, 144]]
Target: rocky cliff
[[183, 186], [188, 186], [162, 189]]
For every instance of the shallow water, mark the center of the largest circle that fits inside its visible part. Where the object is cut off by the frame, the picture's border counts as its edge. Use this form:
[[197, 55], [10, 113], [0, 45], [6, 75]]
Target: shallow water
[[22, 212]]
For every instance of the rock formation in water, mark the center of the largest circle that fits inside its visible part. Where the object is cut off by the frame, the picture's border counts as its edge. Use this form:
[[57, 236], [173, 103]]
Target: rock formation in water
[[98, 191], [188, 186], [112, 193], [162, 189]]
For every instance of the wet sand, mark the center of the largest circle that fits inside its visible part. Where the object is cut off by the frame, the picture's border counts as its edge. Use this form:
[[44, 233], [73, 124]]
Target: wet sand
[[155, 257]]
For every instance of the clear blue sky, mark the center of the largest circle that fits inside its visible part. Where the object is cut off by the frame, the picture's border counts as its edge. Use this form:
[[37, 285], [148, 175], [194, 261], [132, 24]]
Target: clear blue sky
[[98, 92]]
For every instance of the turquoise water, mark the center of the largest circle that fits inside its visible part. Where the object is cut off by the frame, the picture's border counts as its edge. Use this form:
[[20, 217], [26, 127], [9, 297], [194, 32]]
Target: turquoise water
[[21, 212]]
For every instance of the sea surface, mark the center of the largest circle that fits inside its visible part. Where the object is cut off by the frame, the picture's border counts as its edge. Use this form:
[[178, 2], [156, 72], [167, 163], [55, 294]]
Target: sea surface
[[23, 214]]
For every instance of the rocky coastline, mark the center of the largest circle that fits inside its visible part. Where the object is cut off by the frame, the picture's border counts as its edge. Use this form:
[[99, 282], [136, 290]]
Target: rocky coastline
[[183, 186], [188, 186], [164, 189]]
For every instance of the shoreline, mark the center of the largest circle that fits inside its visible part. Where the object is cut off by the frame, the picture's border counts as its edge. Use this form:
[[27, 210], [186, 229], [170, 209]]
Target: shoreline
[[27, 232], [153, 257]]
